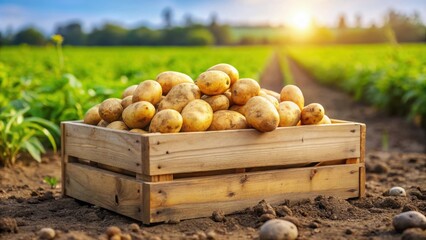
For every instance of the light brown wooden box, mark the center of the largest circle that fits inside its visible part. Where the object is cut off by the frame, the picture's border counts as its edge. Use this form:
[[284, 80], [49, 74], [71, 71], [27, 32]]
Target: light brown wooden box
[[160, 177]]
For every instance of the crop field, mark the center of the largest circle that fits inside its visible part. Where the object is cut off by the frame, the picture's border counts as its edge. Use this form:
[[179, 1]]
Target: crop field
[[58, 90], [392, 78]]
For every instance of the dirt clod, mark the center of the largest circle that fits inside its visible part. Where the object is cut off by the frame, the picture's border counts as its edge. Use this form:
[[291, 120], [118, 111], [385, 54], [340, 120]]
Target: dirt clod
[[414, 234], [283, 211], [263, 208], [8, 224], [265, 217], [218, 216]]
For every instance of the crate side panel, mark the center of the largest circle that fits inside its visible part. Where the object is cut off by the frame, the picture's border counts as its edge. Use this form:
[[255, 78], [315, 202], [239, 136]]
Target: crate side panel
[[199, 197], [102, 145], [112, 191], [207, 151]]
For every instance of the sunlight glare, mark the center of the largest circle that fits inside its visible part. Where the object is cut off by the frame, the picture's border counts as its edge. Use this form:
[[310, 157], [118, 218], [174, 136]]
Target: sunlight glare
[[301, 21]]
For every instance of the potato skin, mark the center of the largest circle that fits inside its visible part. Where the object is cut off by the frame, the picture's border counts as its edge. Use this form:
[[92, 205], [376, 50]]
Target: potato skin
[[169, 79], [228, 94], [261, 114], [244, 89], [117, 125], [125, 102], [289, 114], [103, 123], [92, 116], [213, 82], [325, 120], [227, 119], [128, 91], [138, 130], [230, 70], [312, 114], [273, 100], [217, 102], [166, 121], [179, 96], [148, 90], [110, 110], [238, 108], [138, 114], [294, 94], [272, 93], [197, 116]]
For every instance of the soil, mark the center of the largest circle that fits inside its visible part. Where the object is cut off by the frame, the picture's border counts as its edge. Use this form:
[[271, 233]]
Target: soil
[[395, 157]]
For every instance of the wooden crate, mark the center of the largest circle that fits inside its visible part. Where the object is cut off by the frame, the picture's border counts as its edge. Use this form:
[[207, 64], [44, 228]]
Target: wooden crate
[[160, 177]]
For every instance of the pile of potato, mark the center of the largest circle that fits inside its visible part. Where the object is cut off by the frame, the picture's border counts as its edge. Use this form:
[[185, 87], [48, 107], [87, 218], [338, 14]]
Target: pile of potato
[[217, 100]]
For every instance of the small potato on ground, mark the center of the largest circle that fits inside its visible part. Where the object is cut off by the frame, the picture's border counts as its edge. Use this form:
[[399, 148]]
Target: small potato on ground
[[261, 114], [92, 116], [138, 114], [148, 90], [227, 119], [166, 121], [294, 94], [213, 82], [111, 109], [169, 79], [197, 116], [312, 114], [230, 70]]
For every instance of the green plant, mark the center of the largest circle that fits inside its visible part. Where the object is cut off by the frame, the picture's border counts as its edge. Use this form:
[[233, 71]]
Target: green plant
[[23, 134], [52, 181]]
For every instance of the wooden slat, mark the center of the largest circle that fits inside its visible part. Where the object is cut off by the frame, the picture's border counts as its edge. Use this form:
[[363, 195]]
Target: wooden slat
[[198, 197], [110, 147], [215, 150], [362, 144], [63, 159], [112, 191], [362, 181]]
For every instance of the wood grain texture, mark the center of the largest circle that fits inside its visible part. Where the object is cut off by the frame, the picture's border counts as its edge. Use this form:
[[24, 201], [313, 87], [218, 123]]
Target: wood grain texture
[[112, 191], [215, 150], [362, 181], [63, 160], [199, 197], [363, 140], [110, 147]]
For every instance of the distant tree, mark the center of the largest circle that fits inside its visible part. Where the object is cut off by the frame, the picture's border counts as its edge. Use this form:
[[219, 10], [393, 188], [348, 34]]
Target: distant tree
[[407, 28], [72, 33], [29, 36], [200, 37], [167, 17], [143, 36], [221, 34], [342, 22], [188, 20], [108, 35], [213, 19], [358, 21]]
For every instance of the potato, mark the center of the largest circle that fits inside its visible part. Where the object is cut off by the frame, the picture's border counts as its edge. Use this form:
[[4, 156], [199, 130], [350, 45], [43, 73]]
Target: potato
[[103, 123], [217, 102], [166, 121], [138, 130], [325, 120], [148, 90], [244, 89], [294, 94], [273, 100], [312, 114], [92, 116], [289, 114], [125, 102], [138, 114], [110, 110], [118, 125], [179, 96], [227, 119], [228, 94], [261, 114], [197, 116], [169, 79], [128, 91], [213, 82], [238, 108], [230, 70], [272, 93]]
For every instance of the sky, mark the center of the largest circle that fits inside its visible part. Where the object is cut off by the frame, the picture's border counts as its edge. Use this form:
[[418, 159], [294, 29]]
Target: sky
[[47, 14]]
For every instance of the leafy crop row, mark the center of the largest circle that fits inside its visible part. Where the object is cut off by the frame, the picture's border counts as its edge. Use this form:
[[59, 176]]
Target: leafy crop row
[[392, 78]]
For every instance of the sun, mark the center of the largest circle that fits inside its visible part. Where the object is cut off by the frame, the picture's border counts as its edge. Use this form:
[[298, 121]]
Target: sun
[[301, 21]]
